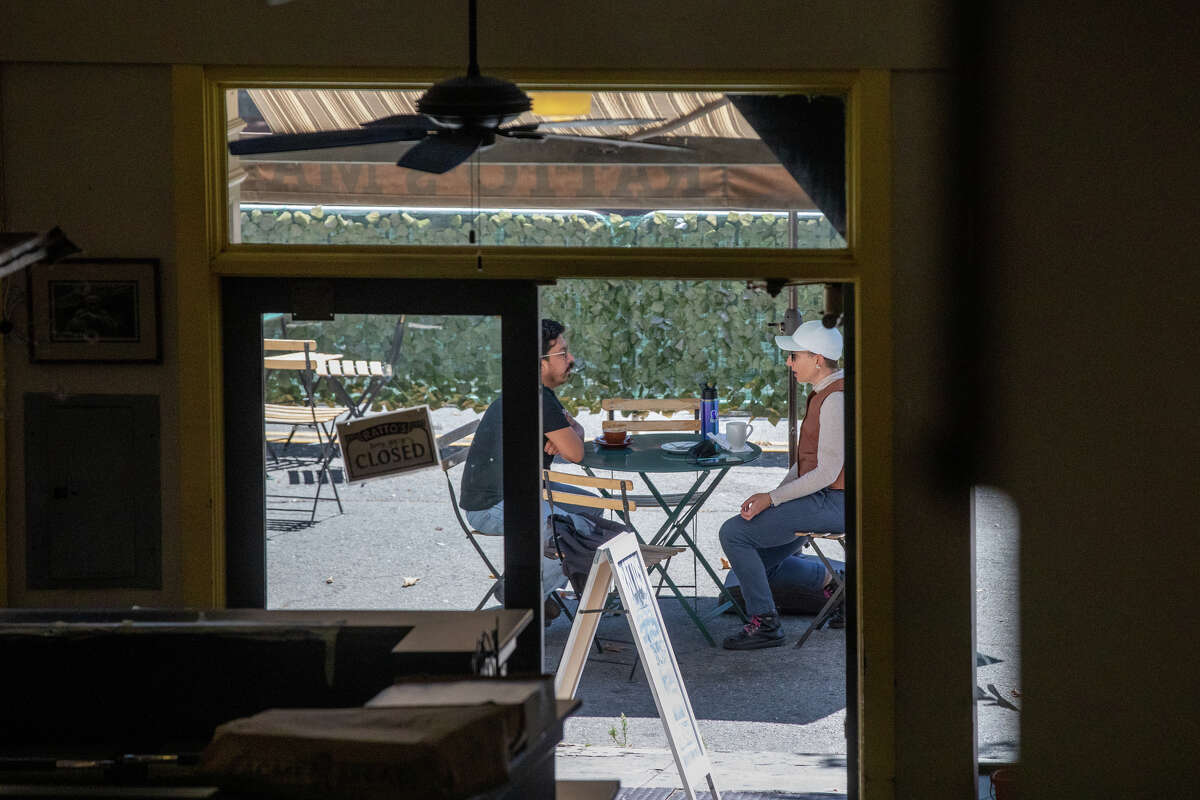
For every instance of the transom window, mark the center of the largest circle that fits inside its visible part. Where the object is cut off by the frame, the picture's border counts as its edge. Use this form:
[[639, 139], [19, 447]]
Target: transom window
[[647, 169]]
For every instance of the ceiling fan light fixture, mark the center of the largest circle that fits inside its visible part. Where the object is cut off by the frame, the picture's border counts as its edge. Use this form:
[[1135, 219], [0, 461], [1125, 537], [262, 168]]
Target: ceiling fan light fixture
[[474, 101]]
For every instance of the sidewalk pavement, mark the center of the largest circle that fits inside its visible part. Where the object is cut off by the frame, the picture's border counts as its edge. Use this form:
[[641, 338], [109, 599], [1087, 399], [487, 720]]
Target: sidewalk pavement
[[782, 709]]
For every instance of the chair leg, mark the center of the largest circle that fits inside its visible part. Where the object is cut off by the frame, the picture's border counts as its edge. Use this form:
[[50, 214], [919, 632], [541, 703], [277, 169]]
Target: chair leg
[[323, 473], [492, 591], [332, 482], [826, 610], [562, 605]]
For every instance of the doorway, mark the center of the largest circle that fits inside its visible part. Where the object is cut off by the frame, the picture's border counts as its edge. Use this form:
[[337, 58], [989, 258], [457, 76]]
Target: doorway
[[244, 303]]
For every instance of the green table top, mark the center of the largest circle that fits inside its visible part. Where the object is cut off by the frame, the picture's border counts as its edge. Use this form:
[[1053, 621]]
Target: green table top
[[645, 454]]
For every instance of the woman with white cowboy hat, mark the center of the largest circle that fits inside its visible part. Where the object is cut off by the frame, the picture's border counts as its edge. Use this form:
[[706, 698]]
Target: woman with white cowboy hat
[[810, 497]]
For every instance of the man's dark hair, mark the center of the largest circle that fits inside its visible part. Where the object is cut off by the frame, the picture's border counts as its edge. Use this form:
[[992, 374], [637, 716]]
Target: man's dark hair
[[551, 330]]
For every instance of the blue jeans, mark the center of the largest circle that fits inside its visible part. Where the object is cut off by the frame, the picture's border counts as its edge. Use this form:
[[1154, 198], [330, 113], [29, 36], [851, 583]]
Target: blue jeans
[[491, 520], [756, 546]]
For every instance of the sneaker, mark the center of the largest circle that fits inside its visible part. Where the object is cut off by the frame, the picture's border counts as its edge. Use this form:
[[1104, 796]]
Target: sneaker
[[763, 630], [831, 585]]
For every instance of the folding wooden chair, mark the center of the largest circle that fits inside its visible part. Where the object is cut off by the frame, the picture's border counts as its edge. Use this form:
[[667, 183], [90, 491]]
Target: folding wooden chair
[[616, 499], [320, 419], [652, 555], [668, 407], [839, 593]]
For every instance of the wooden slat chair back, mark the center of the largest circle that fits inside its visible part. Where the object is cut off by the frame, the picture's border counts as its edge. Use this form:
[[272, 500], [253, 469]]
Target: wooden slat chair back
[[290, 345], [668, 407], [618, 501], [301, 415], [621, 504], [320, 419], [296, 417], [306, 346]]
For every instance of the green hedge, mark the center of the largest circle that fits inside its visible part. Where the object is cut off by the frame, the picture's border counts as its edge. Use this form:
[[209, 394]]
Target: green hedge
[[630, 339], [528, 229]]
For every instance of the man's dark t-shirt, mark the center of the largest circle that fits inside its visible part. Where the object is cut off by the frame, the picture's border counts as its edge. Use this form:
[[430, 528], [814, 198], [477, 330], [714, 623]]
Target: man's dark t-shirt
[[483, 474]]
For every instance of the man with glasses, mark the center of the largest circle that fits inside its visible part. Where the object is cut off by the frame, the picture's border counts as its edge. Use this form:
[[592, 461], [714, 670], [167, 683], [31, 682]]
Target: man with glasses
[[482, 496]]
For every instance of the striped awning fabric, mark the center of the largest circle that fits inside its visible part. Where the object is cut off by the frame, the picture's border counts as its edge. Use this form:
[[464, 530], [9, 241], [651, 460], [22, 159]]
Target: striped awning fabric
[[307, 110]]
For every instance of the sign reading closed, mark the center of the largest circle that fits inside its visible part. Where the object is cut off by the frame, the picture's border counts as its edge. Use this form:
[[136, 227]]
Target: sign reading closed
[[387, 444]]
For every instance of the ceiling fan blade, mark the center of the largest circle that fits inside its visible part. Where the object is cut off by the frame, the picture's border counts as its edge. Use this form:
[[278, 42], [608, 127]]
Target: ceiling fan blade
[[439, 154], [596, 123], [420, 121], [607, 140], [287, 142]]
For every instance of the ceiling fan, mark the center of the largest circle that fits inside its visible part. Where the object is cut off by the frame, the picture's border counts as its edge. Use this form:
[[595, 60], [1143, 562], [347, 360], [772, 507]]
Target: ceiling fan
[[457, 117]]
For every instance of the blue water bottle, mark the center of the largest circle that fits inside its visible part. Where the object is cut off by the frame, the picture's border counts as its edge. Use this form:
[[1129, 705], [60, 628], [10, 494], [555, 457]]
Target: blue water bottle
[[708, 410]]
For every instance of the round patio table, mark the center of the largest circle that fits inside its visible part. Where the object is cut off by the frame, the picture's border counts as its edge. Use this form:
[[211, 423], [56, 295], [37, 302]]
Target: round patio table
[[645, 456]]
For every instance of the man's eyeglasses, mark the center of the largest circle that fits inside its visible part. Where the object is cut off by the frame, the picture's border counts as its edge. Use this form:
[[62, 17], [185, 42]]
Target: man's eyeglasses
[[563, 353]]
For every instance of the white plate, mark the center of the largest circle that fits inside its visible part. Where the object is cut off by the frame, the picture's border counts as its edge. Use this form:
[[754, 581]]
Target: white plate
[[679, 447]]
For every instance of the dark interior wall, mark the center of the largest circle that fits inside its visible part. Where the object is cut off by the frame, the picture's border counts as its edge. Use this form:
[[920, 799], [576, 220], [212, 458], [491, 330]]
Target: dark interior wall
[[932, 512], [1090, 182], [88, 148], [540, 34]]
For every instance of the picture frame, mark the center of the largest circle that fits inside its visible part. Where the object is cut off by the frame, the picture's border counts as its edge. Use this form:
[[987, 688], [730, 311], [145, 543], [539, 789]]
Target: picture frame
[[95, 310]]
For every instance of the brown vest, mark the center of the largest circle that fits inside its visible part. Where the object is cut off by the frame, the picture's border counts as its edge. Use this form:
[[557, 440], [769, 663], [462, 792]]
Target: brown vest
[[810, 431]]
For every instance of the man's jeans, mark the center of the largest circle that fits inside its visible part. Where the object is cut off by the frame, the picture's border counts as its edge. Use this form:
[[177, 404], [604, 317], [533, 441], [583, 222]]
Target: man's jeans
[[759, 545], [491, 521]]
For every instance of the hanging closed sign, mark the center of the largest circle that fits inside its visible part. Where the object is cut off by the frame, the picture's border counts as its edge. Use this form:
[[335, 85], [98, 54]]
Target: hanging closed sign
[[388, 444]]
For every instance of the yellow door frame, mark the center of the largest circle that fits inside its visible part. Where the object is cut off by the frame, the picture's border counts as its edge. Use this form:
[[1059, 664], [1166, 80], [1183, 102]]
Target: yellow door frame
[[203, 256]]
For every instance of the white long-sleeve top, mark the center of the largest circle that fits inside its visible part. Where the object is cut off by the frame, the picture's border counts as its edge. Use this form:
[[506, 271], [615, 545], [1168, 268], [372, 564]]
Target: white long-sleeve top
[[831, 450]]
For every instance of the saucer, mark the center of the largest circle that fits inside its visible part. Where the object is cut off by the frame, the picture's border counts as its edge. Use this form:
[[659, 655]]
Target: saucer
[[600, 440]]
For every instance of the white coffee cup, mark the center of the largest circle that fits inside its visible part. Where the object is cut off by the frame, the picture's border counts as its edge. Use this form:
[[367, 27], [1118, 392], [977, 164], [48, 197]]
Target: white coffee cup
[[737, 433]]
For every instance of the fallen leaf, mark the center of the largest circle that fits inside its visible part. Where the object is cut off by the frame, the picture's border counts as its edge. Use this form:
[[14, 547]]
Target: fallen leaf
[[436, 528], [408, 581], [724, 563], [329, 579], [610, 647]]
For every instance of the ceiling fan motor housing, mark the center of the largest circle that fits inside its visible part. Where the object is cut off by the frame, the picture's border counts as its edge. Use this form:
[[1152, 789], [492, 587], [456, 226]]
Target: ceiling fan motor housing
[[473, 101]]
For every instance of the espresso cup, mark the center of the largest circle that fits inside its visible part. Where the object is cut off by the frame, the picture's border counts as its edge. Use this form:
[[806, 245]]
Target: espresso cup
[[737, 433], [615, 436]]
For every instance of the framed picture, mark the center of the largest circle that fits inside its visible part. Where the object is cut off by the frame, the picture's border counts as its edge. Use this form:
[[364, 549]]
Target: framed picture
[[94, 310]]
